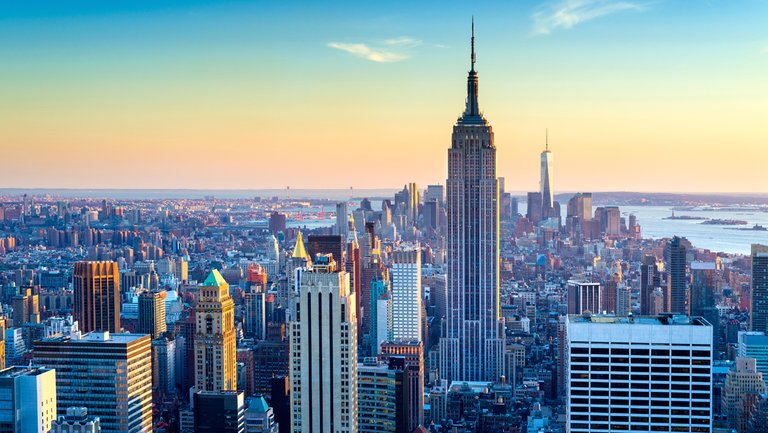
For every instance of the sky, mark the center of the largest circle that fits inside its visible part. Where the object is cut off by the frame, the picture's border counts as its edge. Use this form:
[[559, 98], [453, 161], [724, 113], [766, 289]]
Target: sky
[[637, 95]]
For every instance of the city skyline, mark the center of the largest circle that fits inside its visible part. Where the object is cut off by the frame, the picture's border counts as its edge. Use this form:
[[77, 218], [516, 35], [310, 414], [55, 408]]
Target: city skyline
[[173, 89]]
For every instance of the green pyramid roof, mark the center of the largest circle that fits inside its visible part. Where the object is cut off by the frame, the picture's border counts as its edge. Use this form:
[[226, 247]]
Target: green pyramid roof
[[258, 404], [215, 279]]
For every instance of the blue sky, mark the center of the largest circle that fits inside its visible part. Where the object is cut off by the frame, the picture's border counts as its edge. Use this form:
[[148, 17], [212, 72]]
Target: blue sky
[[616, 82]]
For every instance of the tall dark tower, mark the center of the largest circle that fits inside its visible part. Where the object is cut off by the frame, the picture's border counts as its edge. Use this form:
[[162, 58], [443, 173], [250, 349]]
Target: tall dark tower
[[473, 347], [674, 255]]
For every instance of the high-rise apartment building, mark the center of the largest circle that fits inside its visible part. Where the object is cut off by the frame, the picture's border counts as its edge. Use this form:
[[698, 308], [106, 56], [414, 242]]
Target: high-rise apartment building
[[27, 399], [406, 294], [215, 351], [675, 264], [759, 292], [152, 313], [584, 297], [473, 347], [97, 296], [110, 374], [323, 353], [639, 373]]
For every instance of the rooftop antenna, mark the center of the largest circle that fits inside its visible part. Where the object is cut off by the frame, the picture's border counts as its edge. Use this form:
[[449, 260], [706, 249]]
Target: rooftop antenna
[[546, 139], [473, 59]]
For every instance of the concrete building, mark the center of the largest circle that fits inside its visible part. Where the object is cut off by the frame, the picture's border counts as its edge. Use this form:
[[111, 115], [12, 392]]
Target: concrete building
[[76, 420], [473, 347], [407, 297], [323, 352], [259, 417], [754, 345], [408, 356], [218, 412], [152, 314], [639, 374], [583, 297], [27, 399], [215, 347], [110, 374], [741, 382], [381, 406], [97, 296]]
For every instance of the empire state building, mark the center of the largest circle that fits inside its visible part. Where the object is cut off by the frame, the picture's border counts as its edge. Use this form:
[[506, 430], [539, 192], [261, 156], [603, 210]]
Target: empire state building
[[473, 347]]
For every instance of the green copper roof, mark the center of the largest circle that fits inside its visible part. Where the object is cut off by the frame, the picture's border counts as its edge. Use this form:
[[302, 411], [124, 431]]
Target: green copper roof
[[258, 404], [215, 279]]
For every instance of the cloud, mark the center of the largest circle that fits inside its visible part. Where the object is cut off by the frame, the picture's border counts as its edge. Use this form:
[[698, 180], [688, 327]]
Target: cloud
[[403, 41], [565, 14], [368, 53]]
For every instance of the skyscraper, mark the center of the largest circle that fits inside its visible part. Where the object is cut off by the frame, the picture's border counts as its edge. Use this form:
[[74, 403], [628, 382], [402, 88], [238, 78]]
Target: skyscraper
[[97, 296], [110, 374], [545, 183], [703, 296], [323, 352], [27, 399], [759, 292], [473, 347], [342, 220], [152, 313], [656, 369], [649, 280], [408, 356], [406, 294], [584, 297], [215, 351], [675, 256]]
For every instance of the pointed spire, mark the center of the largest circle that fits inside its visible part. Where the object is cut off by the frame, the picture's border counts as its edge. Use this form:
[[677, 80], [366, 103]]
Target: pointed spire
[[299, 252], [473, 59], [546, 139], [472, 111]]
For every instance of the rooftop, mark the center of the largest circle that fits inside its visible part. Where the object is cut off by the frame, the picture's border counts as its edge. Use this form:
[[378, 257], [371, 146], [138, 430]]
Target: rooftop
[[215, 279], [17, 371], [96, 337], [662, 319]]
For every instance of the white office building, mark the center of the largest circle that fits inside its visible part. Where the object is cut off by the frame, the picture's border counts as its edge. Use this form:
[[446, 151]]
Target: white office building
[[638, 374], [323, 352], [406, 294]]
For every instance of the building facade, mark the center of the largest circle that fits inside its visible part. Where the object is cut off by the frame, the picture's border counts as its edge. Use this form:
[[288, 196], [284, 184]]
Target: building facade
[[27, 399], [639, 374], [473, 347], [110, 374], [323, 353], [97, 296], [215, 347], [407, 296]]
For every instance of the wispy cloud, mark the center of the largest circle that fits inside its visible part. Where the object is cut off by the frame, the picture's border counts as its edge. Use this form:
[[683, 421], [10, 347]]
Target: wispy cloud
[[403, 41], [383, 51], [565, 14]]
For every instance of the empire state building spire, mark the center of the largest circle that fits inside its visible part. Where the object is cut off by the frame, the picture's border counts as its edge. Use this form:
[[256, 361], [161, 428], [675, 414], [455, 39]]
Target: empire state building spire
[[472, 111]]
